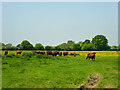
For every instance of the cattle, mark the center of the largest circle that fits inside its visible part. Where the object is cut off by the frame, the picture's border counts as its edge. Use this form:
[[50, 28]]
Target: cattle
[[54, 53], [42, 52], [91, 55], [38, 52], [65, 53], [49, 52], [60, 53], [6, 52], [34, 51], [19, 52], [73, 53]]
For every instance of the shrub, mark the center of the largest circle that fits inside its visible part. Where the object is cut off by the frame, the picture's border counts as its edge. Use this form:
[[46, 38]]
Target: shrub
[[44, 56], [10, 55], [17, 56], [27, 54]]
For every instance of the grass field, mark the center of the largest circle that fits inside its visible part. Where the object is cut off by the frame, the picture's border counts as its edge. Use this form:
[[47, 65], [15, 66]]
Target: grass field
[[42, 71]]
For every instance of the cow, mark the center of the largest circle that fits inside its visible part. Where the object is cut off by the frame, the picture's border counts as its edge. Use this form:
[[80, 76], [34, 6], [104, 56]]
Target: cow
[[73, 53], [34, 51], [6, 52], [65, 53], [38, 52], [49, 52], [42, 52], [60, 53], [91, 55], [54, 53], [19, 52]]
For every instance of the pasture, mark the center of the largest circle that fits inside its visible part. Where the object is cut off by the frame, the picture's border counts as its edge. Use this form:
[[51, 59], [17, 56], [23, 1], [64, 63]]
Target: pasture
[[41, 71]]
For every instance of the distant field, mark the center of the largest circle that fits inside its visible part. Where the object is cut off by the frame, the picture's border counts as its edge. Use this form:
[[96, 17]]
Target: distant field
[[83, 53], [42, 71]]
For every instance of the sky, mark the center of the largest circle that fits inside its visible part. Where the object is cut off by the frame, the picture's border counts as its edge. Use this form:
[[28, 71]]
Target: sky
[[53, 23]]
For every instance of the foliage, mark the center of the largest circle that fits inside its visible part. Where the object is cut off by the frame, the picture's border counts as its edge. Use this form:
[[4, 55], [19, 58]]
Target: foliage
[[57, 47], [27, 55], [100, 42], [88, 47], [87, 41], [76, 47], [64, 46], [49, 48], [10, 55], [39, 46], [26, 45]]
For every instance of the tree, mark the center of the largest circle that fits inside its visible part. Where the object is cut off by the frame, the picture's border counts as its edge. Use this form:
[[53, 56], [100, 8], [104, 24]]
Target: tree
[[119, 47], [114, 47], [100, 42], [57, 47], [26, 45], [88, 47], [69, 44], [87, 41], [39, 46], [49, 48], [64, 46], [76, 47]]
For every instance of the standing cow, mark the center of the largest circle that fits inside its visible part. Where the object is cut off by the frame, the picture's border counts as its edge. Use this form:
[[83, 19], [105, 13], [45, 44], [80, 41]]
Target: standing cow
[[65, 53], [34, 51], [6, 52], [49, 52], [60, 53], [91, 55], [19, 52], [54, 53], [42, 52], [73, 53]]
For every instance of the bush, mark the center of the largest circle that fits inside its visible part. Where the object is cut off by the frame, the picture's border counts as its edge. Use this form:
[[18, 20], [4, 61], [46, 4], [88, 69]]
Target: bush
[[17, 56], [10, 55], [43, 56], [27, 54]]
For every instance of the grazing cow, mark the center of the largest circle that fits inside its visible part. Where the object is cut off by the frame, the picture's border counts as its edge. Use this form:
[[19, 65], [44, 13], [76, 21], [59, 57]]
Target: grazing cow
[[60, 53], [73, 53], [42, 52], [91, 55], [54, 53], [65, 53], [38, 52], [34, 51], [49, 52], [6, 52], [19, 52]]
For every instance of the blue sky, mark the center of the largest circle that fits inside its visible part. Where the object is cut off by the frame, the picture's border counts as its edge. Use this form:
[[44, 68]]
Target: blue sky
[[53, 23]]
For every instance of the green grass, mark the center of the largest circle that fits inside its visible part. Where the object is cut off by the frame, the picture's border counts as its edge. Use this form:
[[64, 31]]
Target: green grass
[[57, 72]]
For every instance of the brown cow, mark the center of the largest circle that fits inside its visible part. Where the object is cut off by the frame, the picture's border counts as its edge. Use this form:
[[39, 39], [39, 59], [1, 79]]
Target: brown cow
[[34, 51], [49, 52], [91, 55], [73, 53], [19, 52], [42, 52], [6, 52], [38, 52], [60, 53], [54, 53], [65, 53]]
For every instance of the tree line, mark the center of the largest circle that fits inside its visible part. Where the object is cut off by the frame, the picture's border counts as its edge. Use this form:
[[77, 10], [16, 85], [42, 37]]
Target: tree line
[[99, 42]]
